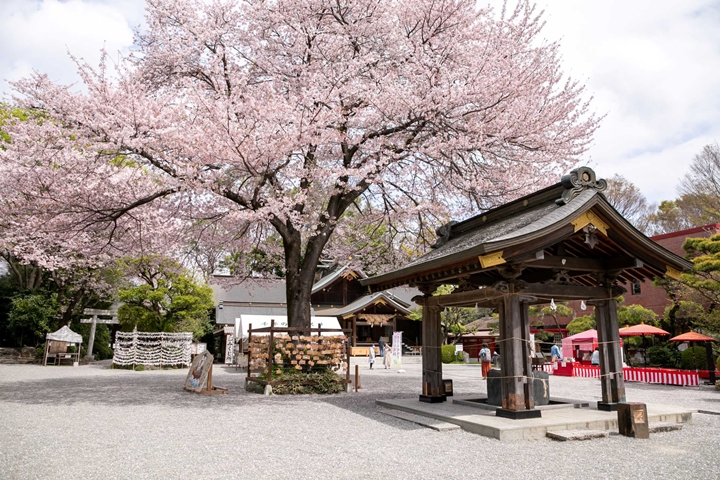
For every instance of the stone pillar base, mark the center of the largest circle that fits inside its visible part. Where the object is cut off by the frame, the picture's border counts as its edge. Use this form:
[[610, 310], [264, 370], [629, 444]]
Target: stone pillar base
[[433, 398], [518, 414]]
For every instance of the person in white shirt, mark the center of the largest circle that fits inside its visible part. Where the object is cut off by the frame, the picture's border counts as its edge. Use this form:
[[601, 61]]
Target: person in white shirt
[[371, 355], [595, 359]]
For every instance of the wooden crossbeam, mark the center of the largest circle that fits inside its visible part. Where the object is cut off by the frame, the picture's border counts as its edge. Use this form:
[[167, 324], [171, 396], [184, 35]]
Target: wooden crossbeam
[[542, 290], [583, 264]]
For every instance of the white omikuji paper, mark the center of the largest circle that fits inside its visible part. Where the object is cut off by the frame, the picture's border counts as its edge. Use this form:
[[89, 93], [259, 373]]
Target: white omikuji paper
[[397, 349]]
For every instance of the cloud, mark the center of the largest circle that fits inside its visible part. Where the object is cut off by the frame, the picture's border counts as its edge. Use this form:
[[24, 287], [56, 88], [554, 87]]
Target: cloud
[[654, 69], [653, 66], [39, 34]]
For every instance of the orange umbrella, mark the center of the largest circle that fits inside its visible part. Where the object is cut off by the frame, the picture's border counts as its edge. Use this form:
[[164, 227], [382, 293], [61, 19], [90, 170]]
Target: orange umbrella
[[642, 329], [692, 337]]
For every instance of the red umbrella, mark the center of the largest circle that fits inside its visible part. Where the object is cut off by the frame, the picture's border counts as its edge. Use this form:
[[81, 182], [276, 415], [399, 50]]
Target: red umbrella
[[641, 330], [699, 337], [692, 337]]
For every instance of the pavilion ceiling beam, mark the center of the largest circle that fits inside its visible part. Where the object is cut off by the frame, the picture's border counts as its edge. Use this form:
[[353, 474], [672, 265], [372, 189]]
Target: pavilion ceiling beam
[[587, 264], [565, 292], [465, 298]]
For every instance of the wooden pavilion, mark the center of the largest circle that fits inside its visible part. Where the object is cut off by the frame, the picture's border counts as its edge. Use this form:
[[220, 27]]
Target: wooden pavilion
[[564, 242]]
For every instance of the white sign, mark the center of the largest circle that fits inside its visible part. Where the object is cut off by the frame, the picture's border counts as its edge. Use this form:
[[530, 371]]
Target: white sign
[[458, 348], [229, 349], [110, 321], [104, 313], [397, 349]]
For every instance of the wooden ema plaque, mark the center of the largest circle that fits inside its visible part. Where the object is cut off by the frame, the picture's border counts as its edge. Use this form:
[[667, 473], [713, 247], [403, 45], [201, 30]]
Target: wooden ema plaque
[[199, 378]]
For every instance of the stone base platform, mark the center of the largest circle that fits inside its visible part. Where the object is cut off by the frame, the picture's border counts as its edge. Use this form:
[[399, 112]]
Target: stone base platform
[[574, 416]]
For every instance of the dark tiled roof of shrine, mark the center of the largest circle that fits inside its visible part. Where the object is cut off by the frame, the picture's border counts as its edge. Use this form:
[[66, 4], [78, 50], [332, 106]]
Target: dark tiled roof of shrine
[[528, 221]]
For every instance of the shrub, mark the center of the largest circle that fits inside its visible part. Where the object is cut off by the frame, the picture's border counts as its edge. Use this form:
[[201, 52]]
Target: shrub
[[717, 364], [448, 353], [663, 356], [323, 381], [694, 358]]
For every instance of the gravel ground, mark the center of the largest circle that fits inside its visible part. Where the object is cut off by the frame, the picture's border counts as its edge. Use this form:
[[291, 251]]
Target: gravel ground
[[93, 422]]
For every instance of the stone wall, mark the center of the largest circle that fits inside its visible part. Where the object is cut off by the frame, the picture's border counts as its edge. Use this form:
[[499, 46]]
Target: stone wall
[[18, 355]]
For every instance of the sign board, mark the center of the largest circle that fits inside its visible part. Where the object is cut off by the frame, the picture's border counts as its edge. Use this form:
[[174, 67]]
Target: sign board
[[197, 376], [458, 348], [229, 349], [113, 320], [197, 348], [397, 349]]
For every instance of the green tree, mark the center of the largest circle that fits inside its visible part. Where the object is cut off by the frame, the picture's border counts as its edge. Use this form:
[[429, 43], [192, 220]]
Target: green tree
[[453, 319], [581, 324], [669, 217], [704, 277], [629, 315], [560, 310], [169, 300], [32, 316], [681, 316]]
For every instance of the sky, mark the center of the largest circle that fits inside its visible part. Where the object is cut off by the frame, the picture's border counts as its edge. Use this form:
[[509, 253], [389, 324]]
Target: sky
[[652, 68]]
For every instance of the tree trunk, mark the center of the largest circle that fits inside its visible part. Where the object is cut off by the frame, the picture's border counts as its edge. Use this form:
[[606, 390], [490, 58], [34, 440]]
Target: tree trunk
[[300, 277], [298, 287]]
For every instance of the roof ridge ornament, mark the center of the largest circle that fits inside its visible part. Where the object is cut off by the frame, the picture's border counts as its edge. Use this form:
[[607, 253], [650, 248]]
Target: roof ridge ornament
[[577, 181], [443, 234]]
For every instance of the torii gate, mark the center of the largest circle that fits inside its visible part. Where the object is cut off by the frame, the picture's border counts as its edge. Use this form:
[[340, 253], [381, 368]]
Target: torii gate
[[94, 320], [564, 242]]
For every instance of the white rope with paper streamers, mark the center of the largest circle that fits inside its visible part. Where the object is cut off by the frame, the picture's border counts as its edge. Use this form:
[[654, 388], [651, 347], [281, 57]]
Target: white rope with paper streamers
[[152, 348]]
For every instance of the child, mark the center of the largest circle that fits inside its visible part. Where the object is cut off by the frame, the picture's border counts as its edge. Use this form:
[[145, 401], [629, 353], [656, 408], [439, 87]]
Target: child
[[387, 359], [371, 355]]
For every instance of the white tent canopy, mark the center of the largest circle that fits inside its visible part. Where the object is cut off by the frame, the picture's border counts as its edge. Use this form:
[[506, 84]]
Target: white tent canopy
[[65, 335], [262, 321]]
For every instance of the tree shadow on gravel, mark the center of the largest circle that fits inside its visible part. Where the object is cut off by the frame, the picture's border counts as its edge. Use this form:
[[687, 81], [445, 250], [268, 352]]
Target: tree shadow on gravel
[[150, 388], [158, 388]]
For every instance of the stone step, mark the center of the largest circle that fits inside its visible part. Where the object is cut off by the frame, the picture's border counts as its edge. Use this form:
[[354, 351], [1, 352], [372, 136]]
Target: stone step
[[569, 435], [428, 422]]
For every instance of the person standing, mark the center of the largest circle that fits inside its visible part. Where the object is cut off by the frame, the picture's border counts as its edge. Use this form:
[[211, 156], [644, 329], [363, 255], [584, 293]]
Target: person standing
[[381, 343], [595, 359], [371, 355], [387, 359], [485, 359], [554, 353]]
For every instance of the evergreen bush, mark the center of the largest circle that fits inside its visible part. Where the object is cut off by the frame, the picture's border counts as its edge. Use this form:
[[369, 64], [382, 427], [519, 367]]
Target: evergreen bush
[[694, 358], [448, 353], [664, 356]]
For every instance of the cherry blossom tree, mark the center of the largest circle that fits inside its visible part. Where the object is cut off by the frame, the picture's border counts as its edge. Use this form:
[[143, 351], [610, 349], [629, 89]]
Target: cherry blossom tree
[[308, 120]]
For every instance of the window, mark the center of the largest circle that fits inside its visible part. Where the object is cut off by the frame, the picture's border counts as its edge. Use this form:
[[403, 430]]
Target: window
[[635, 288]]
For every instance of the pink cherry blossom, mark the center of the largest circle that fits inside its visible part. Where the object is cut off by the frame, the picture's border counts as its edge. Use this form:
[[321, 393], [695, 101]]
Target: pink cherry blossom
[[311, 120]]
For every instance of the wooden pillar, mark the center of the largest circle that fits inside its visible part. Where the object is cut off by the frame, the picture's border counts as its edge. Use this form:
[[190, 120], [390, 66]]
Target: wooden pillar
[[354, 331], [611, 377], [516, 386], [432, 386], [526, 353]]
